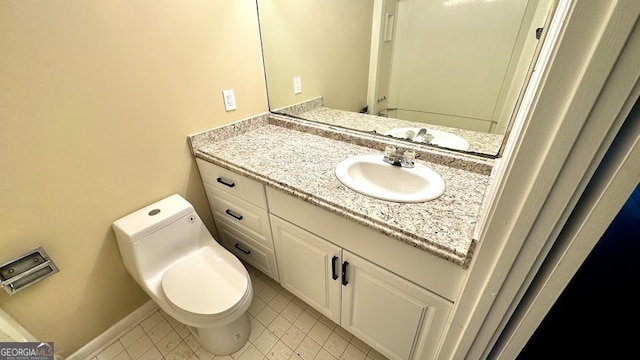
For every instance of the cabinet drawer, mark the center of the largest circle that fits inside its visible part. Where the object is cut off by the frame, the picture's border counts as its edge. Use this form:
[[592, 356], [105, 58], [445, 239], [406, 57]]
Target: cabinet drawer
[[233, 183], [242, 246], [240, 215]]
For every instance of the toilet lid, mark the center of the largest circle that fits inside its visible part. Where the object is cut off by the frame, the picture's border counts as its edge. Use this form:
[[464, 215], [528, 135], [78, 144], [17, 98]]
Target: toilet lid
[[204, 283]]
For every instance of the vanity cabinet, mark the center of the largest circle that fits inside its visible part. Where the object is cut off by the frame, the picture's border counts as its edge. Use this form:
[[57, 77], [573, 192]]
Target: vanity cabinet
[[395, 316], [240, 213], [387, 293]]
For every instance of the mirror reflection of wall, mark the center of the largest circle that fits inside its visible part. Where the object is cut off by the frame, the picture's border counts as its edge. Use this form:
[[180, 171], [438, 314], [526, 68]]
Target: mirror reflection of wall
[[460, 63], [325, 43], [457, 66]]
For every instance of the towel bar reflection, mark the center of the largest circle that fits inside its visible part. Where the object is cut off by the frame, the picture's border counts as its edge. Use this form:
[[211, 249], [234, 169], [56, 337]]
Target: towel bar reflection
[[28, 269]]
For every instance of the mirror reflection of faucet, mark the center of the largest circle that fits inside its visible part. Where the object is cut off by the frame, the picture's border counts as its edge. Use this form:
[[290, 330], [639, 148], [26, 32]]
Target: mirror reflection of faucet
[[423, 137], [410, 135], [420, 136], [430, 137]]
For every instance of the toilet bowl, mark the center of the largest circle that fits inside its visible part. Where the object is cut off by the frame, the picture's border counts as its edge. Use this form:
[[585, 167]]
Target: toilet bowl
[[169, 252]]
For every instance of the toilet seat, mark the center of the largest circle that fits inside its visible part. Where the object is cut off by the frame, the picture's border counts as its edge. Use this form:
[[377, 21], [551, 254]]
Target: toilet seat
[[206, 283]]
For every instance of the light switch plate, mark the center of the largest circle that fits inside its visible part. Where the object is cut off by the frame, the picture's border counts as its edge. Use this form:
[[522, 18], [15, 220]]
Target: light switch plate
[[229, 99]]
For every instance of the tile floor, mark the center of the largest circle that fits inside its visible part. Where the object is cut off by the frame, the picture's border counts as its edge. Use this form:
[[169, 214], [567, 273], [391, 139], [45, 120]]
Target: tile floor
[[282, 327]]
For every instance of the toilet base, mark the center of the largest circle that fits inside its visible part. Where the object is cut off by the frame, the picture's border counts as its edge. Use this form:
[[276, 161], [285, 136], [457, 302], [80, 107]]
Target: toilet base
[[224, 340]]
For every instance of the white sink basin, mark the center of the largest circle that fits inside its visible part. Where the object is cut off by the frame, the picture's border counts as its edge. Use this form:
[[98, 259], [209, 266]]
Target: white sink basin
[[440, 138], [369, 175]]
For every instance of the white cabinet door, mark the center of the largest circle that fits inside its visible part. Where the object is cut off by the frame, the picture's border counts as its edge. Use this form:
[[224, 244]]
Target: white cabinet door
[[395, 316], [309, 267]]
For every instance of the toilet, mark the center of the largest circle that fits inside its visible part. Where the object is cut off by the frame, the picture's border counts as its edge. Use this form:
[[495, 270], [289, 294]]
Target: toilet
[[170, 253]]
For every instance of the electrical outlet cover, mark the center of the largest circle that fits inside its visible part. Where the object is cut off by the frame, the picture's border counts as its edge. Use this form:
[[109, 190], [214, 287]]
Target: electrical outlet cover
[[297, 85], [229, 99]]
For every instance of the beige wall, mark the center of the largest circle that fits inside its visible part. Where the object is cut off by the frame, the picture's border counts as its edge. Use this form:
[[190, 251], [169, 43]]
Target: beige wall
[[96, 101], [326, 43]]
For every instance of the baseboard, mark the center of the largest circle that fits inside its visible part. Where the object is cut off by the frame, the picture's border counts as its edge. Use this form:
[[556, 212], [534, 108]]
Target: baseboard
[[95, 346]]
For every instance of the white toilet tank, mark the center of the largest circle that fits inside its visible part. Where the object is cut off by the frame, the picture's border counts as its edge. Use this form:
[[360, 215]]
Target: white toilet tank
[[156, 236]]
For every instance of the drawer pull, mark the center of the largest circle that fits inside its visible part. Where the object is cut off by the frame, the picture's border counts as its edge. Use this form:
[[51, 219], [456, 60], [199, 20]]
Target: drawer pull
[[234, 215], [241, 249], [344, 273], [334, 265], [225, 182]]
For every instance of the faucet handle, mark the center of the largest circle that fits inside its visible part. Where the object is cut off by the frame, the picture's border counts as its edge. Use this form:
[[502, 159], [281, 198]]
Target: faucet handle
[[409, 156], [389, 151], [428, 138]]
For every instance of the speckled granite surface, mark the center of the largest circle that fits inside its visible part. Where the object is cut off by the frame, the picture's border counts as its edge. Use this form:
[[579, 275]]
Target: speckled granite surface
[[313, 110], [206, 137], [303, 165]]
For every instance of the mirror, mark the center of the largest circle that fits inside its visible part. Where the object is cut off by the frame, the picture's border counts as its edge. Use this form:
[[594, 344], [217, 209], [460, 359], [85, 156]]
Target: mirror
[[455, 68]]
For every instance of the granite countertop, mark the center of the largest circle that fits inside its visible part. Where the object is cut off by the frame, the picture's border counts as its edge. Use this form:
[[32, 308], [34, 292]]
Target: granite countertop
[[303, 164]]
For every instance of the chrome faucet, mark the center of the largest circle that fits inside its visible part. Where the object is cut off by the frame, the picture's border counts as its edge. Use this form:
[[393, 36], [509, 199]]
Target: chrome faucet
[[405, 159]]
